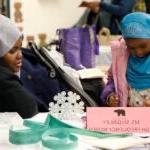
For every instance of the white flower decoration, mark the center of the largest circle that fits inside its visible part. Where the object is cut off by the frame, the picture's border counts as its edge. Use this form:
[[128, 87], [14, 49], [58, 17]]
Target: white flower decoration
[[67, 106]]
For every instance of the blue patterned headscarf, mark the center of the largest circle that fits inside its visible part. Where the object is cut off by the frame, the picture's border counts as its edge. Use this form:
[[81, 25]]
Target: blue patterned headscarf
[[137, 25]]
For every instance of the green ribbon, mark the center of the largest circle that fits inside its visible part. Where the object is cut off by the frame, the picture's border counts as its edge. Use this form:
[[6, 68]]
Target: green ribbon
[[53, 133]]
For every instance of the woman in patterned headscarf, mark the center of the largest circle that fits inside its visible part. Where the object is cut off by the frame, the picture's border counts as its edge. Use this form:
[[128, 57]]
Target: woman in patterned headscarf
[[13, 98], [129, 84]]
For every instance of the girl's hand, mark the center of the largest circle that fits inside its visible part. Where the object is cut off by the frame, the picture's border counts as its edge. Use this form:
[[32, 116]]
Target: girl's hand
[[147, 103], [113, 100]]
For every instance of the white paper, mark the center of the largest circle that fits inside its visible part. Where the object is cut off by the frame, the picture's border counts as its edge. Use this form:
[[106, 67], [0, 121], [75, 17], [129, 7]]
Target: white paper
[[115, 143], [91, 73]]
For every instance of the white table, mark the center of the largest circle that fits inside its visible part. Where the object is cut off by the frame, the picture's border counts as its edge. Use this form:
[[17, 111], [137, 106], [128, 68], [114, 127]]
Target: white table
[[8, 119]]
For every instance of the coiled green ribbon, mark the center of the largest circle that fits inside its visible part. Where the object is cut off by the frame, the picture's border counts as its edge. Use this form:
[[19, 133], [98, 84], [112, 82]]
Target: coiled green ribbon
[[53, 133]]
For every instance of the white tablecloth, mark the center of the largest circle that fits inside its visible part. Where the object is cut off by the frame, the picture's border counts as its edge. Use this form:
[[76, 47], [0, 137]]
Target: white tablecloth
[[8, 119]]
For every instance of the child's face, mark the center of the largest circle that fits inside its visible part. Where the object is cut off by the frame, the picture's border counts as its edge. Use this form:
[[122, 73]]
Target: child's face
[[13, 58], [138, 47]]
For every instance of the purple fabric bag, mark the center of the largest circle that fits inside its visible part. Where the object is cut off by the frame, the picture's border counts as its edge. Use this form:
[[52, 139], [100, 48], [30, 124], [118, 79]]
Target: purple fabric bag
[[70, 46], [79, 46], [89, 47]]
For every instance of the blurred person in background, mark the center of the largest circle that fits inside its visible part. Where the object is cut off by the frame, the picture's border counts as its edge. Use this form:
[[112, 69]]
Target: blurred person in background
[[117, 9]]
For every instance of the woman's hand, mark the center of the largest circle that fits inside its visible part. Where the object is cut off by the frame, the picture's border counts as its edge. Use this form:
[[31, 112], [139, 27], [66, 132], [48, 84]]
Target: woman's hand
[[113, 100], [94, 6]]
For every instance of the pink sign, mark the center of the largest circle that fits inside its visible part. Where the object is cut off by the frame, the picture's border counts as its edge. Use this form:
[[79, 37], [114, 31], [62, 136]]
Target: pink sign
[[119, 119]]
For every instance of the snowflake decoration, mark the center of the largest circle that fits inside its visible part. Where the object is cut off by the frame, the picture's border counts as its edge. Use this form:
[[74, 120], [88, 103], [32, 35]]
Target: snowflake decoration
[[67, 106]]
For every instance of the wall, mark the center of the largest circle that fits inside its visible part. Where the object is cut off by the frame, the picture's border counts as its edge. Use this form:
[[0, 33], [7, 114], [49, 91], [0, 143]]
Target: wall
[[45, 16]]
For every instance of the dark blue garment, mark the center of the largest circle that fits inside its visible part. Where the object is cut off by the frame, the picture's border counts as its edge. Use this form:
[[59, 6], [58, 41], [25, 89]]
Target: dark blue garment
[[118, 9], [35, 79], [147, 3]]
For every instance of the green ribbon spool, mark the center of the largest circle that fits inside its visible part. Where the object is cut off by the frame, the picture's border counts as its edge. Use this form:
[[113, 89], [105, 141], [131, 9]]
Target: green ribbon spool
[[53, 133]]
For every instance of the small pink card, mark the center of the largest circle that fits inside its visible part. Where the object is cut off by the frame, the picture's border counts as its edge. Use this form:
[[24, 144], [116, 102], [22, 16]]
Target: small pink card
[[119, 119]]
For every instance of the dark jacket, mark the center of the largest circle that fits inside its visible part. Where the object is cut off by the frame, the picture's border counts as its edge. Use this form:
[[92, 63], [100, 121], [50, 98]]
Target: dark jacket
[[118, 9], [13, 97], [147, 3], [36, 80]]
